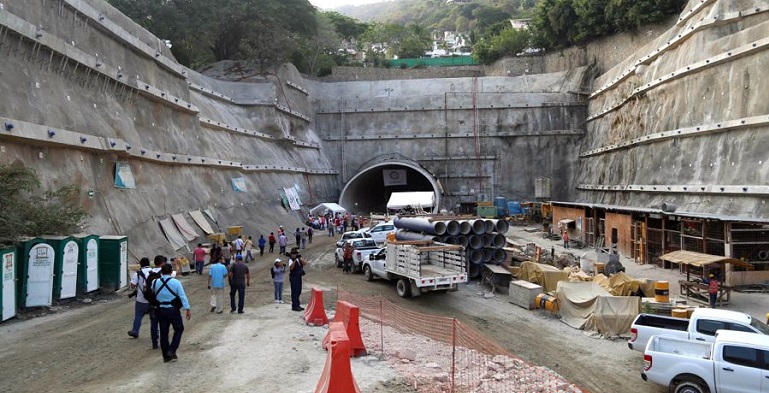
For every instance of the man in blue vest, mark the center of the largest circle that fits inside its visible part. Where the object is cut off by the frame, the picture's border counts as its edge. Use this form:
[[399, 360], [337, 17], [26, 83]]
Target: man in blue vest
[[171, 298]]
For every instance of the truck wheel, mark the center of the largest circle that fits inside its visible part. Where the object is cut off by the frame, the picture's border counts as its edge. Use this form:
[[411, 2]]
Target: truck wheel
[[403, 287], [691, 385], [367, 273], [338, 262]]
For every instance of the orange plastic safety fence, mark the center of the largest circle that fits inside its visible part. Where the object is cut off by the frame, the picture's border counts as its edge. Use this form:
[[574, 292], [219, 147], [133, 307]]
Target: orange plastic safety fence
[[440, 354]]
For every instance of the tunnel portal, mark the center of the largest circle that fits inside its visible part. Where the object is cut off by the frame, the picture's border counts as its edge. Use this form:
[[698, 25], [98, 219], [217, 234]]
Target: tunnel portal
[[369, 190]]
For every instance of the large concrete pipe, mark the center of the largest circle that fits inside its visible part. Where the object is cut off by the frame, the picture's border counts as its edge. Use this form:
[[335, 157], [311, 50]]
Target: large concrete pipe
[[475, 256], [495, 240], [463, 241], [669, 207], [487, 240], [490, 227], [475, 241], [501, 226], [488, 253], [499, 256], [474, 271], [450, 240], [478, 226], [402, 234], [464, 227], [419, 224], [452, 227]]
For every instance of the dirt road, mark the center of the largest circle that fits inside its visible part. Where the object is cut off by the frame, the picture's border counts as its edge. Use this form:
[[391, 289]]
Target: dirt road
[[85, 348]]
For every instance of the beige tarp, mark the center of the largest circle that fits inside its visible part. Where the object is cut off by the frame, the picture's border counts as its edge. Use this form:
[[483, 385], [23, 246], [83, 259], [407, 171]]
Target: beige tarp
[[587, 306], [184, 227], [172, 234], [620, 284], [545, 275], [199, 219]]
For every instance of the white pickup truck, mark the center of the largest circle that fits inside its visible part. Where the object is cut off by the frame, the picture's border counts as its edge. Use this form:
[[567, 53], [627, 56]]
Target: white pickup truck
[[418, 266], [702, 326], [361, 248], [736, 362]]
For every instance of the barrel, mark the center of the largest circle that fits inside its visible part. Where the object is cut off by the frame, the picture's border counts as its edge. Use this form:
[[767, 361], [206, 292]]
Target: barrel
[[662, 291], [547, 302], [679, 313]]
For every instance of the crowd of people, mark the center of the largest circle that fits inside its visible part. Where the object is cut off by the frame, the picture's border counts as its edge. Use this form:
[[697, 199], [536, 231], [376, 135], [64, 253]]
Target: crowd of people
[[161, 296]]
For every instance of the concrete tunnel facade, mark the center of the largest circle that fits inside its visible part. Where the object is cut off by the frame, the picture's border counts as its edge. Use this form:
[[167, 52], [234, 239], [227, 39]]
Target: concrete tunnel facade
[[366, 192]]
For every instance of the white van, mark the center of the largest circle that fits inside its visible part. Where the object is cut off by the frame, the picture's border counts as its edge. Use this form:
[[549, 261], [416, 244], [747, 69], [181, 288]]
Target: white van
[[380, 231]]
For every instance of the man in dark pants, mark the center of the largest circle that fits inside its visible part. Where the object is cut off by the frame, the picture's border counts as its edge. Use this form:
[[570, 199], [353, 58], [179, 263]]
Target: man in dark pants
[[296, 271], [240, 278], [170, 296]]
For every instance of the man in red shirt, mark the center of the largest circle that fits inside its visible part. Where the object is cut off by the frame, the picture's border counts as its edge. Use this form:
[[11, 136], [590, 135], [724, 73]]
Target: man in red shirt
[[199, 256]]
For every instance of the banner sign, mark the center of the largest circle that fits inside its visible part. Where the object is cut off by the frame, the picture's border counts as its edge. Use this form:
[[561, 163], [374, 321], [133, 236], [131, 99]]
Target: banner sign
[[293, 198], [394, 177], [239, 184], [124, 178]]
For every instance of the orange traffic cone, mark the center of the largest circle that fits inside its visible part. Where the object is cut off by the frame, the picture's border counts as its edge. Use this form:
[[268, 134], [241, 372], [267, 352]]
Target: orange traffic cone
[[337, 373], [315, 314]]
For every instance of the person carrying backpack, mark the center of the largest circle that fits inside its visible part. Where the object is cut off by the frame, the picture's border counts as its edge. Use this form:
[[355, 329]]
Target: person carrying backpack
[[142, 306], [149, 295], [169, 300]]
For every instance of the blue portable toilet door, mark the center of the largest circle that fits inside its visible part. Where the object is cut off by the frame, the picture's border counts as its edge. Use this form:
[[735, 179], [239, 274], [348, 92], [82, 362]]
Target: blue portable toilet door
[[69, 270], [92, 265], [9, 286], [40, 276]]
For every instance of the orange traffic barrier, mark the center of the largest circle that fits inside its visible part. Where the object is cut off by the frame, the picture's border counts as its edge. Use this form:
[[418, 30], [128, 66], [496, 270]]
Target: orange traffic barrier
[[337, 373], [315, 314], [349, 315]]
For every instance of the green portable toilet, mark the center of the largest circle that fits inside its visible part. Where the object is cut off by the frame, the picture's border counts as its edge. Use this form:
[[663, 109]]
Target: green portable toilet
[[88, 267], [67, 254], [8, 284], [113, 262], [35, 271]]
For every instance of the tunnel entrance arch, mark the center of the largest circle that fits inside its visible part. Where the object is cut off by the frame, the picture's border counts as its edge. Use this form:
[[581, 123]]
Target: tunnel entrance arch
[[366, 191]]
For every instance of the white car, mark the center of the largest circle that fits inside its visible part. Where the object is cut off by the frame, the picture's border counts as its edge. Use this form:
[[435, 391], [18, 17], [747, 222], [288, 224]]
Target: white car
[[359, 234], [380, 231]]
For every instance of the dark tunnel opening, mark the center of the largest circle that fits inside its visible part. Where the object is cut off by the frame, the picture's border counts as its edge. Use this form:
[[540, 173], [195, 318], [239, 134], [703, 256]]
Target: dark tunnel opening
[[368, 191]]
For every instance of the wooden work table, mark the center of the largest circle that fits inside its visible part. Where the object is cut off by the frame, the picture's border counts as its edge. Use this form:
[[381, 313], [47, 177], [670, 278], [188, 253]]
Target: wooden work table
[[698, 291]]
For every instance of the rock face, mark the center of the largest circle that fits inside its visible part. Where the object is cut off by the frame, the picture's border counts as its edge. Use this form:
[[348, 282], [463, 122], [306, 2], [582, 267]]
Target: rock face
[[684, 119], [86, 89]]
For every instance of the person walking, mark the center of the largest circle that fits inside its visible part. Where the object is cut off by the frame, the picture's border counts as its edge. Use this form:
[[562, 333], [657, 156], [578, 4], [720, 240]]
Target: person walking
[[278, 272], [303, 238], [170, 295], [298, 237], [713, 287], [238, 246], [199, 256], [566, 239], [347, 258], [249, 245], [216, 253], [282, 243], [240, 278], [296, 272], [330, 226], [159, 262], [216, 281], [262, 242], [226, 254], [142, 306], [310, 230], [271, 241]]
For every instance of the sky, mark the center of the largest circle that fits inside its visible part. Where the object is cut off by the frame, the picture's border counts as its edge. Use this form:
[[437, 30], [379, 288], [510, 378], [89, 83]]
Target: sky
[[331, 4]]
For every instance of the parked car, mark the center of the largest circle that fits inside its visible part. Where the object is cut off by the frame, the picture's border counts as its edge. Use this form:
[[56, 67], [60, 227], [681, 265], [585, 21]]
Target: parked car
[[361, 248], [380, 231], [734, 362], [359, 234], [702, 326]]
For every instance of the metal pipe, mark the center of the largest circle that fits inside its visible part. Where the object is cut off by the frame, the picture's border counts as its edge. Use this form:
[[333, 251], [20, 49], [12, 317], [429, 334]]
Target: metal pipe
[[464, 227], [475, 242], [452, 227], [501, 226], [419, 224], [478, 226]]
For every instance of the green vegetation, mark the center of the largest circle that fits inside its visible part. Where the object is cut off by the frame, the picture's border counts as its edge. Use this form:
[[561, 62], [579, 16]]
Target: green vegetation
[[30, 212], [270, 32]]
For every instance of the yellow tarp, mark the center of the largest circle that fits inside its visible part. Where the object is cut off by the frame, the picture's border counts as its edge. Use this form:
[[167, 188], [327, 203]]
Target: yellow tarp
[[587, 306], [545, 275], [620, 284]]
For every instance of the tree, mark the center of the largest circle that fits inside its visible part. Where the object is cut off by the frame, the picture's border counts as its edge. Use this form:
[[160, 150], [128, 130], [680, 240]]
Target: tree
[[36, 212], [320, 46], [591, 19]]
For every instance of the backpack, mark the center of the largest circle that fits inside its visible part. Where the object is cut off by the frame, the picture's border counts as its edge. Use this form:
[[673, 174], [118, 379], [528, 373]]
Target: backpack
[[176, 302], [147, 291]]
